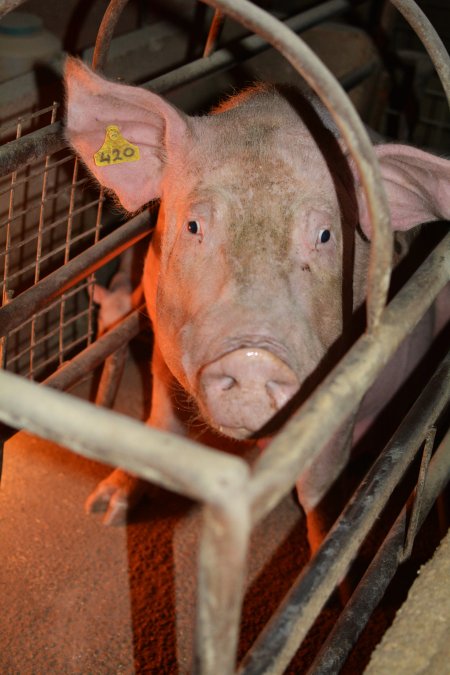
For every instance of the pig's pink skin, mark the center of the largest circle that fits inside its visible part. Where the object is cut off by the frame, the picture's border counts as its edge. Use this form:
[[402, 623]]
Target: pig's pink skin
[[255, 274]]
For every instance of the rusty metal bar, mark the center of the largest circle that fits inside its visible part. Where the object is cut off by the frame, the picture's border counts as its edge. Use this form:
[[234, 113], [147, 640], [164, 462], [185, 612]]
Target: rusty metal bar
[[380, 572], [55, 284], [279, 641], [214, 33], [327, 408], [430, 39], [35, 145]]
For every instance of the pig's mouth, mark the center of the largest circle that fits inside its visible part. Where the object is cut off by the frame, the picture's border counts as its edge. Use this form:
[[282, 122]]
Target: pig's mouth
[[242, 390]]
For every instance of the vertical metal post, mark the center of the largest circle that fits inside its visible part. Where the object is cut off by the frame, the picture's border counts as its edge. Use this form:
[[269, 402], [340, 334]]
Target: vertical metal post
[[223, 552]]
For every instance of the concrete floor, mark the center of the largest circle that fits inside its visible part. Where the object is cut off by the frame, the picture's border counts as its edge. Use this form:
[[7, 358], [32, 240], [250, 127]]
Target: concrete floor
[[79, 597]]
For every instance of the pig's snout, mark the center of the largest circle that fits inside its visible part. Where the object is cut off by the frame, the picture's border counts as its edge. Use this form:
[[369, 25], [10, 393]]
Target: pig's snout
[[245, 388]]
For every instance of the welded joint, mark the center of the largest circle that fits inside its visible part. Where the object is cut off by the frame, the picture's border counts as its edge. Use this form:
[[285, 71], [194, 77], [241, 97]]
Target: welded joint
[[413, 525]]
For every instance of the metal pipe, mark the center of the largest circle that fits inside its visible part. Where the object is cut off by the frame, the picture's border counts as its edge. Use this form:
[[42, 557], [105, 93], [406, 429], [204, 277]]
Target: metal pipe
[[380, 572], [32, 300], [176, 463], [30, 148], [242, 50], [430, 40], [223, 553], [35, 145], [105, 33], [331, 403], [111, 376], [279, 641], [214, 33]]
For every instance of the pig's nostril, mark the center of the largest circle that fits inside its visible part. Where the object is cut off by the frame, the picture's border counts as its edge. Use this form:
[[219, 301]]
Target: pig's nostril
[[227, 382], [281, 392]]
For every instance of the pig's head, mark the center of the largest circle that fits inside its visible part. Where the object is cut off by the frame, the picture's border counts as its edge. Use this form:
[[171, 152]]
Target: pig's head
[[248, 279]]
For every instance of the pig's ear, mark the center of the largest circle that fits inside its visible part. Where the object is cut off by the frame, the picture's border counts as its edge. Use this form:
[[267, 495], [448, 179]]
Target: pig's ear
[[144, 120], [417, 186]]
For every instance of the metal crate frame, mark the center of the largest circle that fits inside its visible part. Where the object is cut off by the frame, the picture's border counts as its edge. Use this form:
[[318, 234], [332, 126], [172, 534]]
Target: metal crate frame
[[234, 498]]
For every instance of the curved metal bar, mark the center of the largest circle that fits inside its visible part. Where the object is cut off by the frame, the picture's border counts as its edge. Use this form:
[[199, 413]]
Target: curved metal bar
[[105, 33], [437, 52]]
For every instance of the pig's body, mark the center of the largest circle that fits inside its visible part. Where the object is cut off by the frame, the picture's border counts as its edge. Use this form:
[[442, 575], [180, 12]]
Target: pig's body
[[256, 265]]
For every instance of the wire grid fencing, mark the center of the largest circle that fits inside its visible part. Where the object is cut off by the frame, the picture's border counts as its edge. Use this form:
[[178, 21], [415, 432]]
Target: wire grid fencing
[[49, 212]]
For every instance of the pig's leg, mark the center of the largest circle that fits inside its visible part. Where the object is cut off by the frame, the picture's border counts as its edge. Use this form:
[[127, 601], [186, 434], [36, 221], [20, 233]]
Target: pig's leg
[[120, 491], [115, 496], [315, 482]]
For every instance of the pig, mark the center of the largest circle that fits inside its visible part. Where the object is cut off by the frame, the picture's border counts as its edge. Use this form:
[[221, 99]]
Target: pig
[[259, 258]]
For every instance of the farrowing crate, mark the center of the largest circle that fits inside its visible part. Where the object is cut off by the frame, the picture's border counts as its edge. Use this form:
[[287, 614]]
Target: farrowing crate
[[47, 317]]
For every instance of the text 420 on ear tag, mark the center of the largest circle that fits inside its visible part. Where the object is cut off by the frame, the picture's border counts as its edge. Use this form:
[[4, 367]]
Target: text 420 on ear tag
[[115, 149]]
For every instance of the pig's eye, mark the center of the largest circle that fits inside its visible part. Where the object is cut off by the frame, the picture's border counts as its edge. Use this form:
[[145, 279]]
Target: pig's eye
[[193, 227], [323, 236]]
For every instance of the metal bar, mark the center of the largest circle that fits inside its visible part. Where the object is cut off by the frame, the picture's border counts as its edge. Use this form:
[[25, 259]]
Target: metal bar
[[67, 256], [214, 33], [331, 403], [279, 641], [30, 148], [240, 51], [223, 552], [8, 5], [55, 284], [379, 574], [176, 463], [413, 524], [50, 139], [111, 376], [105, 33], [430, 39]]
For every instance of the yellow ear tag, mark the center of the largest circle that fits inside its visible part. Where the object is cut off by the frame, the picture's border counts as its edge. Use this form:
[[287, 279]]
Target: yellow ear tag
[[115, 149]]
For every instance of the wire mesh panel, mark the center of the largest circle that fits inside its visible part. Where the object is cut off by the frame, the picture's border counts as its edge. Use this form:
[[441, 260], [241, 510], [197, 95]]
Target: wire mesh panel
[[50, 211]]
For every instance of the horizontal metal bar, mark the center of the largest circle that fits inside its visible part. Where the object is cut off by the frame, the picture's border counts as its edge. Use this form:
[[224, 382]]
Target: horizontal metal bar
[[176, 463], [295, 447], [380, 572], [242, 50], [32, 147], [94, 355], [105, 33], [50, 139], [55, 284], [288, 627]]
